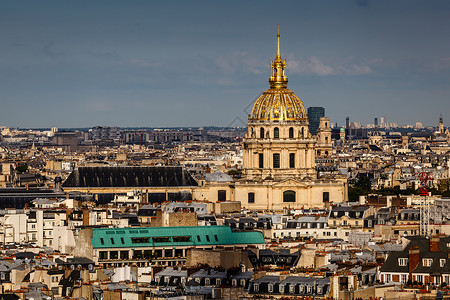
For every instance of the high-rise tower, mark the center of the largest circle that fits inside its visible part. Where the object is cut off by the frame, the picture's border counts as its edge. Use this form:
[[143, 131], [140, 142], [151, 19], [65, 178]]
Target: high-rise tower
[[314, 115]]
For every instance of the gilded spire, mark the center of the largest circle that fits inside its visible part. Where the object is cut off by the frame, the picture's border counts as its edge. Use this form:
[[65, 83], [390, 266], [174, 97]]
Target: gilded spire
[[278, 45], [278, 77]]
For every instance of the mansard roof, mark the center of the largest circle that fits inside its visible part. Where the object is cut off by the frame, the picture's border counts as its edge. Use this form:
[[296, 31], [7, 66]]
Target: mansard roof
[[110, 177]]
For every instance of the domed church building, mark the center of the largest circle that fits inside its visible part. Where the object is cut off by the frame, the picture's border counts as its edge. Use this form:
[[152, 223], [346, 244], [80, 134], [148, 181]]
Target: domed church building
[[278, 162], [279, 153]]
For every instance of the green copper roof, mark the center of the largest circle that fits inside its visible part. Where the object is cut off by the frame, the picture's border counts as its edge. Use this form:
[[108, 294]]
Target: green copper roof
[[172, 237]]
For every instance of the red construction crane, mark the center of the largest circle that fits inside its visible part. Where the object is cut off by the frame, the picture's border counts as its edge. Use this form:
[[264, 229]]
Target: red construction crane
[[424, 177]]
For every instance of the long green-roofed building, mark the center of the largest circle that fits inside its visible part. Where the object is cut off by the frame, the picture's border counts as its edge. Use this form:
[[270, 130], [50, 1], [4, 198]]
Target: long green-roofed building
[[165, 245]]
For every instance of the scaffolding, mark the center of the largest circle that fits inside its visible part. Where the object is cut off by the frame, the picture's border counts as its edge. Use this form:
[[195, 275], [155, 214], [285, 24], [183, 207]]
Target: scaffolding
[[424, 229]]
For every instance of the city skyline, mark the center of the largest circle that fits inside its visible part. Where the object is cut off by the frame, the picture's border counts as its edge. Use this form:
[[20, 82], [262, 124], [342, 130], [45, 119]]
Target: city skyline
[[153, 64]]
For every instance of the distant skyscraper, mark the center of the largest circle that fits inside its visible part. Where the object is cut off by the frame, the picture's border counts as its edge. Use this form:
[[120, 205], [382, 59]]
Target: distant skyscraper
[[383, 121], [347, 123], [314, 115]]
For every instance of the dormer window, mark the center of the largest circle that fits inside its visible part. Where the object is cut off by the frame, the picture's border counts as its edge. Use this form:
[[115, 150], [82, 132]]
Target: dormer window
[[281, 288], [402, 262], [256, 287], [291, 289], [319, 289], [442, 262], [427, 262], [270, 288]]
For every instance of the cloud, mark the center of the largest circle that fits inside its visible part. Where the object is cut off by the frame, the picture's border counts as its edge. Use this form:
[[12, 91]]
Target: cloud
[[363, 3], [105, 55], [50, 52], [328, 67], [239, 62]]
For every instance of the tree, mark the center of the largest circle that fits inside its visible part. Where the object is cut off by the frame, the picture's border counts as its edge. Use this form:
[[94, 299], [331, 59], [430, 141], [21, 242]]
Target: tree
[[21, 169]]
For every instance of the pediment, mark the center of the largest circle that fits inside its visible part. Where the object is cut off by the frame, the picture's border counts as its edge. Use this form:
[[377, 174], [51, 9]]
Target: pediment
[[289, 182]]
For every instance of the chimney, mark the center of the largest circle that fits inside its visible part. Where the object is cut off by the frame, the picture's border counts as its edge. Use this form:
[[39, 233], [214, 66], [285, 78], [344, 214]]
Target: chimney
[[434, 244], [85, 217], [414, 258]]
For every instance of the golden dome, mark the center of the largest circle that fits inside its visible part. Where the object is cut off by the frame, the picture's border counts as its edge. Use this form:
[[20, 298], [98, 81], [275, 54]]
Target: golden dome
[[278, 103]]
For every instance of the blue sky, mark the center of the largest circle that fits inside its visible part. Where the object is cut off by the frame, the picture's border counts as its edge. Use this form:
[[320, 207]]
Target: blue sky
[[199, 63]]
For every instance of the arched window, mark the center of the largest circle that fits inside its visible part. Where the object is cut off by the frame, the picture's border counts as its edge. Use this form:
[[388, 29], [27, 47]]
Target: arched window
[[303, 133], [276, 133], [326, 124], [261, 132], [291, 160], [276, 160], [288, 196], [291, 133]]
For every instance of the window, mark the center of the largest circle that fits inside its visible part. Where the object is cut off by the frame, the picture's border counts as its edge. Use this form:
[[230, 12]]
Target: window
[[288, 196], [180, 239], [207, 281], [291, 133], [281, 288], [388, 277], [139, 240], [243, 282], [270, 288], [276, 160], [442, 262], [292, 289], [103, 255], [292, 160], [402, 262], [427, 262], [261, 160], [114, 254], [207, 238], [122, 241], [256, 287], [112, 241], [102, 241], [161, 239], [234, 283], [216, 238], [251, 197], [222, 195], [198, 238], [419, 278], [326, 196], [276, 133], [261, 133]]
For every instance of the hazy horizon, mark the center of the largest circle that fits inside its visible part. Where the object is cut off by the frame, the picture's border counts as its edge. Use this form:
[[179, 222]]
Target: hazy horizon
[[79, 64]]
